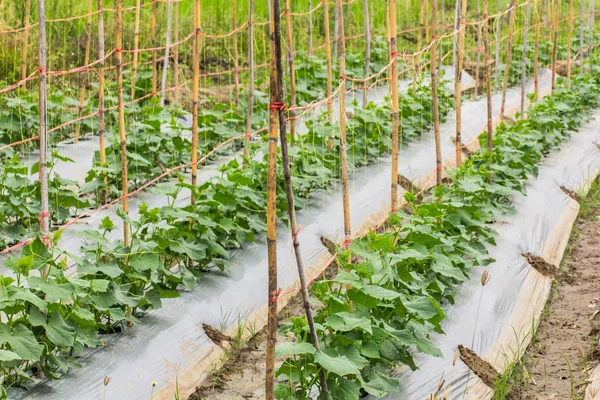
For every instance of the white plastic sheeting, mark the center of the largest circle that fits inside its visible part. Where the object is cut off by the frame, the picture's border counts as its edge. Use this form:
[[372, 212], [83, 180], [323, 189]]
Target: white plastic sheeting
[[170, 346]]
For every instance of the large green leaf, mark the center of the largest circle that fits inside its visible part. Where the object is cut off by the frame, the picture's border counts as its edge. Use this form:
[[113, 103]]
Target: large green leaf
[[22, 341], [339, 365], [294, 348]]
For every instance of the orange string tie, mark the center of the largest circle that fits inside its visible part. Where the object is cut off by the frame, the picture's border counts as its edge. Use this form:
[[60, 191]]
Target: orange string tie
[[343, 77], [42, 70], [277, 105], [395, 54], [274, 299], [347, 241]]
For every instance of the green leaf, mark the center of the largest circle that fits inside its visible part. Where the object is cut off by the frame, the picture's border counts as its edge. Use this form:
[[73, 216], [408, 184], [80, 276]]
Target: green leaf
[[339, 365], [7, 355], [344, 389], [345, 322], [59, 332], [22, 341], [55, 291], [294, 348]]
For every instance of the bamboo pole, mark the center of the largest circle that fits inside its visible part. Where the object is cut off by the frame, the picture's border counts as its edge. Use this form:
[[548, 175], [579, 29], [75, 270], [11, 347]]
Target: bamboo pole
[[555, 43], [421, 27], [498, 42], [393, 72], [329, 71], [367, 52], [86, 61], [121, 112], [590, 34], [236, 58], [581, 38], [250, 78], [536, 52], [427, 33], [195, 96], [478, 45], [26, 22], [310, 28], [277, 103], [336, 33], [343, 155], [569, 34], [43, 111], [290, 58], [101, 75], [136, 45], [434, 97], [163, 84], [511, 24], [488, 74], [154, 44], [524, 59], [176, 52], [461, 24]]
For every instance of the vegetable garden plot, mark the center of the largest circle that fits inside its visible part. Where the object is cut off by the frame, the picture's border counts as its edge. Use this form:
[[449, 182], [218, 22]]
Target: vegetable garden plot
[[152, 352]]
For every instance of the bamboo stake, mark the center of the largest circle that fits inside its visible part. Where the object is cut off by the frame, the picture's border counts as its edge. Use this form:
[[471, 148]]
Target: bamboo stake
[[154, 44], [442, 24], [163, 84], [569, 33], [524, 59], [43, 112], [367, 52], [290, 58], [434, 97], [310, 29], [101, 74], [176, 52], [488, 75], [250, 78], [476, 92], [121, 112], [461, 24], [536, 53], [136, 45], [26, 21], [427, 33], [329, 72], [195, 97], [581, 38], [393, 73], [343, 155], [498, 38], [336, 33], [511, 24], [421, 23], [277, 103], [555, 44], [591, 34], [236, 58], [86, 58]]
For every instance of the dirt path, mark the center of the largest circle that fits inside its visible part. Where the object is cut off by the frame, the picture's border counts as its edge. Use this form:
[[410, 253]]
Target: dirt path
[[565, 349]]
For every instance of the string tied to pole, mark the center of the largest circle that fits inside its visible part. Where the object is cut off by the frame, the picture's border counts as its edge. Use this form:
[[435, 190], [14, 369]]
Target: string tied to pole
[[275, 298], [42, 70], [277, 105]]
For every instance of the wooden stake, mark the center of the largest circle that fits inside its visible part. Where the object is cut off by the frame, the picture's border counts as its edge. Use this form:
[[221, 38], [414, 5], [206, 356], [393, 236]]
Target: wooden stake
[[86, 61], [26, 22], [136, 45], [488, 74], [461, 24], [101, 74], [367, 52], [590, 33], [434, 97], [421, 27], [310, 29], [195, 96], [511, 24], [536, 52], [343, 155], [524, 59], [236, 58], [163, 84], [277, 103], [154, 53], [476, 93], [176, 52], [329, 72], [555, 43], [336, 32], [393, 72], [498, 42], [43, 111], [569, 33], [250, 78], [581, 39], [290, 58], [121, 112]]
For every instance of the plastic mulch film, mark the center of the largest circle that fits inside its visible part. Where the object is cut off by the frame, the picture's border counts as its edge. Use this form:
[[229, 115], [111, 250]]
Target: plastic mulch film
[[170, 346]]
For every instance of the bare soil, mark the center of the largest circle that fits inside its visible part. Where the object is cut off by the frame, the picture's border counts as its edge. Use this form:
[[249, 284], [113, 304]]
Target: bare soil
[[565, 348]]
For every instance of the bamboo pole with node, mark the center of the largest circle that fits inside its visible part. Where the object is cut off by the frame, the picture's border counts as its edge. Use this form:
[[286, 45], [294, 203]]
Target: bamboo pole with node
[[555, 42], [478, 48], [236, 57], [290, 58], [498, 41], [26, 21], [277, 104], [343, 155], [569, 34], [176, 52], [195, 97], [581, 31], [101, 76], [329, 71], [367, 28], [43, 128], [154, 53], [524, 59], [136, 45], [163, 84], [86, 61], [310, 28], [511, 24], [536, 51], [488, 75], [121, 113], [434, 96], [591, 18], [393, 72], [250, 78], [462, 26]]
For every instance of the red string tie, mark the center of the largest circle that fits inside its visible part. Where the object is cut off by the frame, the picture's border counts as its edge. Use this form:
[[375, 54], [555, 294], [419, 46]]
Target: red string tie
[[274, 299], [44, 215], [277, 105], [395, 54], [42, 70], [347, 241], [295, 236], [343, 77], [535, 81], [118, 50], [394, 210], [479, 48]]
